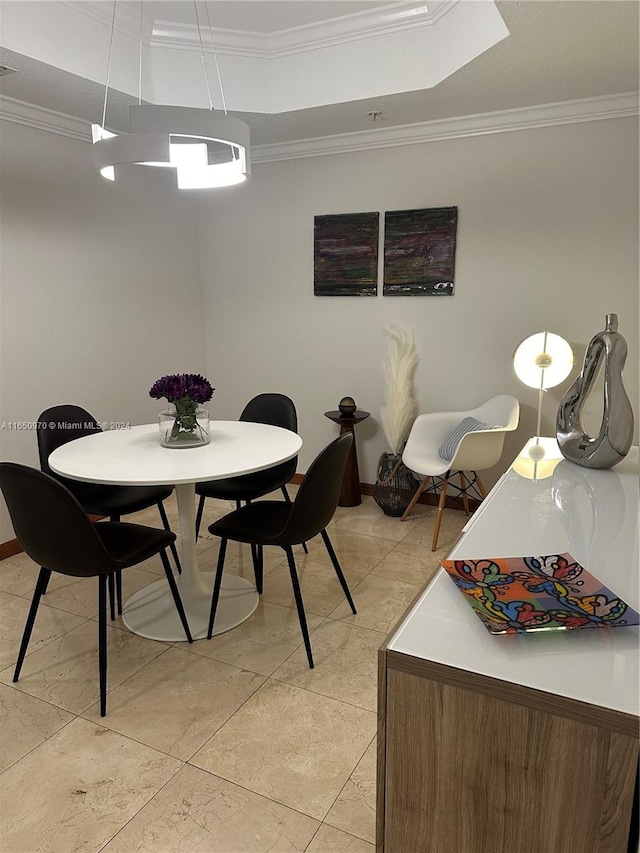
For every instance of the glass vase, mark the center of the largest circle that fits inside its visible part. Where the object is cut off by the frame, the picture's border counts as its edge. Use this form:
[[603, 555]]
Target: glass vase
[[395, 485], [185, 429]]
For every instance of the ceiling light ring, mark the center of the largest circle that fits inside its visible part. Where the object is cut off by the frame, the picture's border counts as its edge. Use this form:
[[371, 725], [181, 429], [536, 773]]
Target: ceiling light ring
[[149, 142]]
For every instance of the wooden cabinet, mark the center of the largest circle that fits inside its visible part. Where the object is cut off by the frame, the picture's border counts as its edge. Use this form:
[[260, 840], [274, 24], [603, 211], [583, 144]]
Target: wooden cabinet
[[516, 744]]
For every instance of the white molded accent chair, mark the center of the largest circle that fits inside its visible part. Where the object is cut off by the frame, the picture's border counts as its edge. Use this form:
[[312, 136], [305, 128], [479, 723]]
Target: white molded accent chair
[[476, 451]]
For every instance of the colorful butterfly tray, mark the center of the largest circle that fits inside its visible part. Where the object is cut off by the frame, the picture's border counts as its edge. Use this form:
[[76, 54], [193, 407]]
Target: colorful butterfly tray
[[517, 594]]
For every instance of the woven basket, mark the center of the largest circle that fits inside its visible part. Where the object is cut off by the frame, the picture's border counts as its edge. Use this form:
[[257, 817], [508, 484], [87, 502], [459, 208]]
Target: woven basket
[[395, 485]]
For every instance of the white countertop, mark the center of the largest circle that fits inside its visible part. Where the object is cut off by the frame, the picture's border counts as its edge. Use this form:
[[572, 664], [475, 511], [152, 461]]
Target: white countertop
[[591, 514]]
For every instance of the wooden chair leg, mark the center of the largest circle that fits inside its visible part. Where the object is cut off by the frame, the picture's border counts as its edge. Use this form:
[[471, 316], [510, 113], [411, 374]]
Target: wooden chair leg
[[415, 498], [465, 497], [102, 639], [41, 585], [216, 587], [441, 502], [481, 487], [299, 603]]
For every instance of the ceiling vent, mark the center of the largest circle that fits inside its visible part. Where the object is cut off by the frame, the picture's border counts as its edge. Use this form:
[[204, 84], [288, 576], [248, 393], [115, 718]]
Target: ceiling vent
[[4, 70]]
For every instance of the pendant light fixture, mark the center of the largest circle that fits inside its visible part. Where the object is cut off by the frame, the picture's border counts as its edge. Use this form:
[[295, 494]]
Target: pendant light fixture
[[206, 148]]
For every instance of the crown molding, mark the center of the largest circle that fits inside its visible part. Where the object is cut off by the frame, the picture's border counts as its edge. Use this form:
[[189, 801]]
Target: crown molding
[[333, 31], [502, 121], [167, 34], [20, 112], [328, 33], [127, 21], [524, 118]]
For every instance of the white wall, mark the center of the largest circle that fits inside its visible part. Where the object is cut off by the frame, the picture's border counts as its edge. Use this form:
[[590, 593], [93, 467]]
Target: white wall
[[100, 284], [100, 288], [547, 239]]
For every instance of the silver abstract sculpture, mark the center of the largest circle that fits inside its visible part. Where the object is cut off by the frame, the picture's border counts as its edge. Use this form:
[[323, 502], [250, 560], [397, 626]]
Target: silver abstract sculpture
[[616, 432]]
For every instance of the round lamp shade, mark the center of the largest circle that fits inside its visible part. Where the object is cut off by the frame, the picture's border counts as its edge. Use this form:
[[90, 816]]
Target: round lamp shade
[[538, 459], [543, 360]]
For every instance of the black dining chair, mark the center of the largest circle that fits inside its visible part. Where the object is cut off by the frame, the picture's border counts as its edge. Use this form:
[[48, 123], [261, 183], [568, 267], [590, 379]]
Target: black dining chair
[[288, 524], [56, 532], [276, 410], [61, 424]]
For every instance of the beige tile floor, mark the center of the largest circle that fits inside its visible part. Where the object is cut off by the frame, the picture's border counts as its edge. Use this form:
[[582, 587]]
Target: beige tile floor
[[224, 746]]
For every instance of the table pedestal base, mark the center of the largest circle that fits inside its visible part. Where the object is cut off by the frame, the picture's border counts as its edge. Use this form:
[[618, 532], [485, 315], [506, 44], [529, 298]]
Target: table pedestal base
[[151, 612]]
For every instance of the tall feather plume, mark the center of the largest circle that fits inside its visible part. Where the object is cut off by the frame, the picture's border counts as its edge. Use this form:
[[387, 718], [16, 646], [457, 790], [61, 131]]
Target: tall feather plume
[[400, 408]]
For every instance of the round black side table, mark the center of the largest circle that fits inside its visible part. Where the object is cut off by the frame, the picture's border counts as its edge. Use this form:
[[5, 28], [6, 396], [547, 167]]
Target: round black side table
[[350, 494]]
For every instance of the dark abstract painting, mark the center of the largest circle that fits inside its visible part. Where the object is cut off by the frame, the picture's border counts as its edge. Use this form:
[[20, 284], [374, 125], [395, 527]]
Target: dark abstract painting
[[419, 251], [345, 257]]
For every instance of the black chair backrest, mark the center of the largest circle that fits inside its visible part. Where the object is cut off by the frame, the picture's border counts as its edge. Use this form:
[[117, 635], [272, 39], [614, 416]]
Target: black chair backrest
[[50, 524], [275, 409], [57, 426], [319, 493]]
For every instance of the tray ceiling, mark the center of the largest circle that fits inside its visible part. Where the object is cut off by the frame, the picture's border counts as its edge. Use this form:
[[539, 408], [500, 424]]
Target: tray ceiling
[[314, 68]]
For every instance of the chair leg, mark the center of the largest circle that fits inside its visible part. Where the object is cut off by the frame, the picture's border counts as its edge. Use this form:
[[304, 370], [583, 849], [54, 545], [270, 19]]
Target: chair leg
[[441, 502], [112, 595], [41, 585], [288, 500], [119, 592], [257, 553], [176, 595], [118, 584], [463, 486], [199, 515], [216, 587], [415, 498], [255, 558], [46, 583], [481, 487], [299, 604], [254, 561], [102, 638], [165, 524], [339, 572]]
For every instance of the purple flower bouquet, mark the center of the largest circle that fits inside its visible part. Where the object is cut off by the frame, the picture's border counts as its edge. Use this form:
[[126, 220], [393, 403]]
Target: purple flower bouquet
[[185, 425]]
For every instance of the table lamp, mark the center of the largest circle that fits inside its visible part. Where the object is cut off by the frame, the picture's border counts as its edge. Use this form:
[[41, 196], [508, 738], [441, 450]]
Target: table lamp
[[538, 459], [542, 361]]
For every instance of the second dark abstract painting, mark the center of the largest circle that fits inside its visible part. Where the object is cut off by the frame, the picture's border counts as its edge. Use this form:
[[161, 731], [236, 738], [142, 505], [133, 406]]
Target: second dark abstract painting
[[419, 251]]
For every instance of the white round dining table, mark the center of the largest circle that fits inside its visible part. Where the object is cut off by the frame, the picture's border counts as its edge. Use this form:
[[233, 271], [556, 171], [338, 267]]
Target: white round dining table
[[135, 457]]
